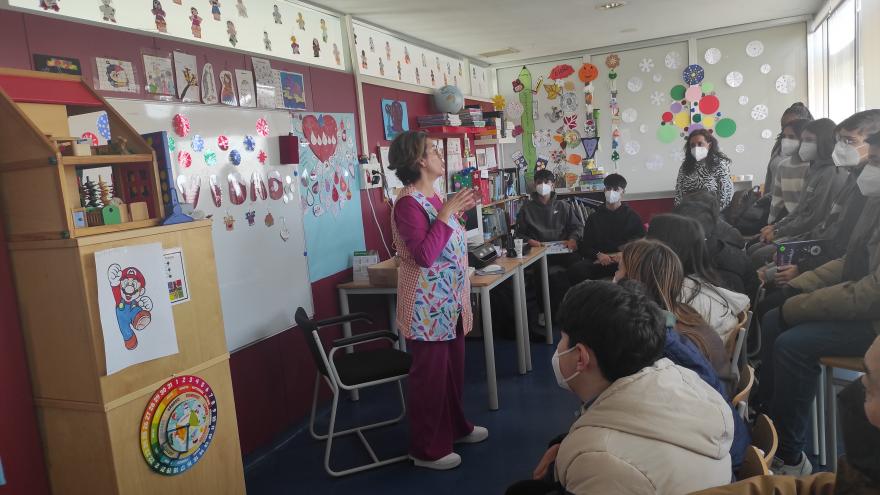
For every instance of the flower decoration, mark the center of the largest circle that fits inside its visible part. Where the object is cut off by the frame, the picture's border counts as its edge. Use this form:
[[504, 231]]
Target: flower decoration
[[262, 156], [198, 143], [235, 157], [223, 143], [210, 158], [184, 159], [612, 61], [249, 143], [181, 125], [262, 127]]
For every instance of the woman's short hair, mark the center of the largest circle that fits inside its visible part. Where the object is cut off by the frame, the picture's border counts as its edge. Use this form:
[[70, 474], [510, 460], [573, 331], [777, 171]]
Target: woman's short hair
[[406, 150]]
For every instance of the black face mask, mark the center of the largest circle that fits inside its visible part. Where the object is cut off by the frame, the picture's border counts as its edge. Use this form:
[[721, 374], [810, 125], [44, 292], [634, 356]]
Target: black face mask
[[860, 438]]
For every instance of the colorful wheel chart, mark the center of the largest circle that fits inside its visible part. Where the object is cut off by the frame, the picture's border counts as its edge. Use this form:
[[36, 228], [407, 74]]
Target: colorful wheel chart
[[178, 425]]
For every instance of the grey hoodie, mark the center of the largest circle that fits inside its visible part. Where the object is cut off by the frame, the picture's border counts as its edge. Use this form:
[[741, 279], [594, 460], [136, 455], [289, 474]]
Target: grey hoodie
[[555, 221]]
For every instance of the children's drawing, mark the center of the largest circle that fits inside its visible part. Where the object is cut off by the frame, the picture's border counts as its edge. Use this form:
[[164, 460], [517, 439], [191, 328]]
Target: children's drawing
[[108, 12], [293, 91], [242, 9], [159, 15], [245, 81], [115, 75], [227, 89], [394, 118], [196, 22], [136, 318], [159, 75], [209, 88], [186, 77]]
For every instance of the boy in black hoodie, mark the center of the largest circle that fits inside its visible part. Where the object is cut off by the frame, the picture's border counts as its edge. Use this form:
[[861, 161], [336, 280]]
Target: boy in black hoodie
[[607, 230]]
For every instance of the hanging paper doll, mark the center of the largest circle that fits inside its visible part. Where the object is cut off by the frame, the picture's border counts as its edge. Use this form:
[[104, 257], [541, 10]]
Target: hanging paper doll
[[159, 13], [432, 78], [399, 72], [107, 10], [294, 45], [445, 80], [215, 9], [459, 70], [269, 220], [316, 47], [424, 62], [437, 61], [372, 45], [381, 67], [266, 41], [196, 22], [50, 4], [363, 60], [418, 77], [336, 54], [242, 10], [276, 14], [448, 68], [323, 30], [300, 21], [233, 35], [406, 55], [178, 2], [388, 50]]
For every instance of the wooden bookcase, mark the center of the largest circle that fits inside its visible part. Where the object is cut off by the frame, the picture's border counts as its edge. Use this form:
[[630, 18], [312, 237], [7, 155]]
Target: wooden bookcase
[[89, 421], [39, 187]]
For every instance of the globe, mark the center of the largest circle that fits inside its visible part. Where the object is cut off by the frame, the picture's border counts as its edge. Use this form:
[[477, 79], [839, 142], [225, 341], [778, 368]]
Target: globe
[[449, 99]]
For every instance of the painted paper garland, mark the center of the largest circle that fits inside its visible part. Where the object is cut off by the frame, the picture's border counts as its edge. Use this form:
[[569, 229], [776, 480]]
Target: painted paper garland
[[180, 124], [178, 425], [223, 143], [262, 127]]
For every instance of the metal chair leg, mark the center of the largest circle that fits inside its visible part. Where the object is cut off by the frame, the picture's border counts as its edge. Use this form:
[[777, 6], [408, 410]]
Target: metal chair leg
[[820, 418], [831, 418]]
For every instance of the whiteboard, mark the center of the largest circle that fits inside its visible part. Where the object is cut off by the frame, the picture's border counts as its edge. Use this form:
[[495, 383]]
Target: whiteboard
[[262, 278]]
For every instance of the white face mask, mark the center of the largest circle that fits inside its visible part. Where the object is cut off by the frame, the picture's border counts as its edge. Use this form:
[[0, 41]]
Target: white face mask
[[544, 189], [612, 197], [700, 152], [561, 380], [846, 155], [808, 151], [788, 147], [869, 181]]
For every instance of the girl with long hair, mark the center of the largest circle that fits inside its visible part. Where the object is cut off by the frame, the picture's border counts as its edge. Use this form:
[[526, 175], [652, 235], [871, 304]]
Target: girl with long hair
[[704, 167]]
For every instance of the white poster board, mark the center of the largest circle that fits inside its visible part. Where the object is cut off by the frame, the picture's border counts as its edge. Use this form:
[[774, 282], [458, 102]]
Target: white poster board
[[136, 317]]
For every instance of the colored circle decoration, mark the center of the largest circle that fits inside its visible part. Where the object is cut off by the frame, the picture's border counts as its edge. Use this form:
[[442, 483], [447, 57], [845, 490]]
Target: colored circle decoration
[[588, 73], [712, 56], [709, 104], [178, 425], [693, 94], [184, 159], [682, 119], [743, 100], [754, 48], [707, 87], [198, 143], [104, 125], [766, 68], [210, 158], [93, 139], [667, 133], [223, 143], [693, 74], [677, 92], [785, 84], [759, 112], [666, 117], [675, 107], [707, 121], [249, 143], [697, 118], [612, 61], [725, 127], [172, 144], [235, 157], [262, 127], [180, 124]]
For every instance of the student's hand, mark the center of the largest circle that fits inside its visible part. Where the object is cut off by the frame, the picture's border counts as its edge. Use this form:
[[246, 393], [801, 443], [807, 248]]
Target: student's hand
[[534, 243], [762, 275], [462, 201], [786, 274], [571, 244], [767, 233], [603, 259], [544, 464], [615, 257]]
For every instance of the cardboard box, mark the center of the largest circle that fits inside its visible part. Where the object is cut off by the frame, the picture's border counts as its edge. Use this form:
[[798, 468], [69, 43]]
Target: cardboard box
[[138, 211], [384, 274]]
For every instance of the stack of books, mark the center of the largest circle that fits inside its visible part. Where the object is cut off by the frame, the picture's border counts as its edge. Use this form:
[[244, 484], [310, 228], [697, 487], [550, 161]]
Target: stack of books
[[472, 117], [440, 119]]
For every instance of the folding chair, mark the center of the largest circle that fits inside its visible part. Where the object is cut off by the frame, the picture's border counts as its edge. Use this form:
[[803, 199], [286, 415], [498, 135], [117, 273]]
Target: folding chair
[[740, 399], [765, 437], [738, 355], [353, 371]]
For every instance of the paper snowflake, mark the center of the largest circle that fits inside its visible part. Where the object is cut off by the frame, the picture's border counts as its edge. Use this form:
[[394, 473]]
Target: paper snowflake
[[235, 157], [198, 143], [172, 145], [210, 158], [261, 157], [249, 143], [658, 98], [673, 60], [632, 147], [646, 65]]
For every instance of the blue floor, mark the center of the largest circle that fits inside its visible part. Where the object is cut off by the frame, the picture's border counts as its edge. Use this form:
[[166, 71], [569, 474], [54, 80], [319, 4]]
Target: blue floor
[[533, 409]]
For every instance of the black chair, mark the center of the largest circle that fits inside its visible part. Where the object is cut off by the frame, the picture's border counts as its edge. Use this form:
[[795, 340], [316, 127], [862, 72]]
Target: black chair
[[349, 371]]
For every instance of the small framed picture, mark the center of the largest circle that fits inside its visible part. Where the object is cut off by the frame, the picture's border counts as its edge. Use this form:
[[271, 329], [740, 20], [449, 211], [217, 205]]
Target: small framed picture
[[79, 218]]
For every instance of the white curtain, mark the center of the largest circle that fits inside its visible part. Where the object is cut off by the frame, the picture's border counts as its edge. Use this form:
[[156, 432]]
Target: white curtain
[[841, 61]]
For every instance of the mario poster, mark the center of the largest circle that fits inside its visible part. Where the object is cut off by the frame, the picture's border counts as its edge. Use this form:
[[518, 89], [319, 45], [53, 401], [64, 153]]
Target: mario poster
[[136, 316]]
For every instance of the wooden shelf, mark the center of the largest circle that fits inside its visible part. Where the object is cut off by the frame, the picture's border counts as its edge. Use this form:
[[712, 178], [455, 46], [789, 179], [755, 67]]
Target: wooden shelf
[[106, 159], [458, 130], [502, 201], [493, 141], [104, 229]]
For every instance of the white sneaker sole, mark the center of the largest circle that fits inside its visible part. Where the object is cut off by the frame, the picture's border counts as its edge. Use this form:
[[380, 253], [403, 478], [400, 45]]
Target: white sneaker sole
[[450, 461]]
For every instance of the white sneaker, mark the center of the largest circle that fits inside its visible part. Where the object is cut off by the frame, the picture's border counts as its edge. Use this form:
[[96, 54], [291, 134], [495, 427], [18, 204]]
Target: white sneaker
[[448, 461], [478, 435], [803, 468]]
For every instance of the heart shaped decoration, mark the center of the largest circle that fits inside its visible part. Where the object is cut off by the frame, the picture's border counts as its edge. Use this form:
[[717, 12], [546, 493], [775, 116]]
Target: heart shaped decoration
[[320, 133]]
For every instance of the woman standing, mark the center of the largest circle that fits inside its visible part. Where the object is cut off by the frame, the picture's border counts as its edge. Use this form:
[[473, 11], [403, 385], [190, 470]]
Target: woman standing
[[433, 308], [705, 167]]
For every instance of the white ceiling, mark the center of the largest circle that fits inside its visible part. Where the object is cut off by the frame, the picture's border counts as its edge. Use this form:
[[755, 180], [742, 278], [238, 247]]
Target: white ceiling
[[545, 27]]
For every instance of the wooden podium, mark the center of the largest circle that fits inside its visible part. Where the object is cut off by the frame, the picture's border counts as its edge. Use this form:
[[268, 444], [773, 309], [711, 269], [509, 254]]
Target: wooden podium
[[89, 421]]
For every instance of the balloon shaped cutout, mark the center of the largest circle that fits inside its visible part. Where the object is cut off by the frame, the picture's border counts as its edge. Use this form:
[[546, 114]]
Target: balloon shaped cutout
[[682, 119], [677, 92], [667, 133], [709, 104], [693, 94]]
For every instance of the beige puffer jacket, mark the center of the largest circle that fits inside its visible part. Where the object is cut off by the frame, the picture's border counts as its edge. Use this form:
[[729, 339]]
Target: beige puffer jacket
[[660, 431]]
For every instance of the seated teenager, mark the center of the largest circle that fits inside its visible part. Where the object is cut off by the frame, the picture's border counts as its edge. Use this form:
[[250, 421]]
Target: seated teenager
[[723, 243], [858, 472], [834, 310], [822, 183], [788, 180], [718, 306], [609, 228], [630, 435], [655, 265]]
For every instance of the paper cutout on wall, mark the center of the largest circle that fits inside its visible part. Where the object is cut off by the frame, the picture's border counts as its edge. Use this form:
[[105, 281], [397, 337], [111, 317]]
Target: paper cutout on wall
[[693, 107], [759, 112], [743, 100], [658, 98], [629, 115], [766, 134], [646, 65], [159, 75], [734, 79], [569, 103], [655, 163], [186, 77], [591, 144], [527, 122], [657, 77], [785, 84], [754, 48], [588, 73], [673, 60], [740, 148], [115, 75], [632, 147], [765, 69], [712, 56], [693, 74], [634, 84], [209, 86]]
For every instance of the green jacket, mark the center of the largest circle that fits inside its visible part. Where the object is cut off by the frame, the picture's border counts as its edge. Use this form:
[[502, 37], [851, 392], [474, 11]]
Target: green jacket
[[827, 296]]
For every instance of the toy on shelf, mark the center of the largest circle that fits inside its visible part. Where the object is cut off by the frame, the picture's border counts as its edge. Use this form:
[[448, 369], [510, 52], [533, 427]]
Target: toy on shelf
[[40, 164]]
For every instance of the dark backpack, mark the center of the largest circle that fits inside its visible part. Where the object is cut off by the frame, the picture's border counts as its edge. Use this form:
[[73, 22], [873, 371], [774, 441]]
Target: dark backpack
[[748, 211]]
